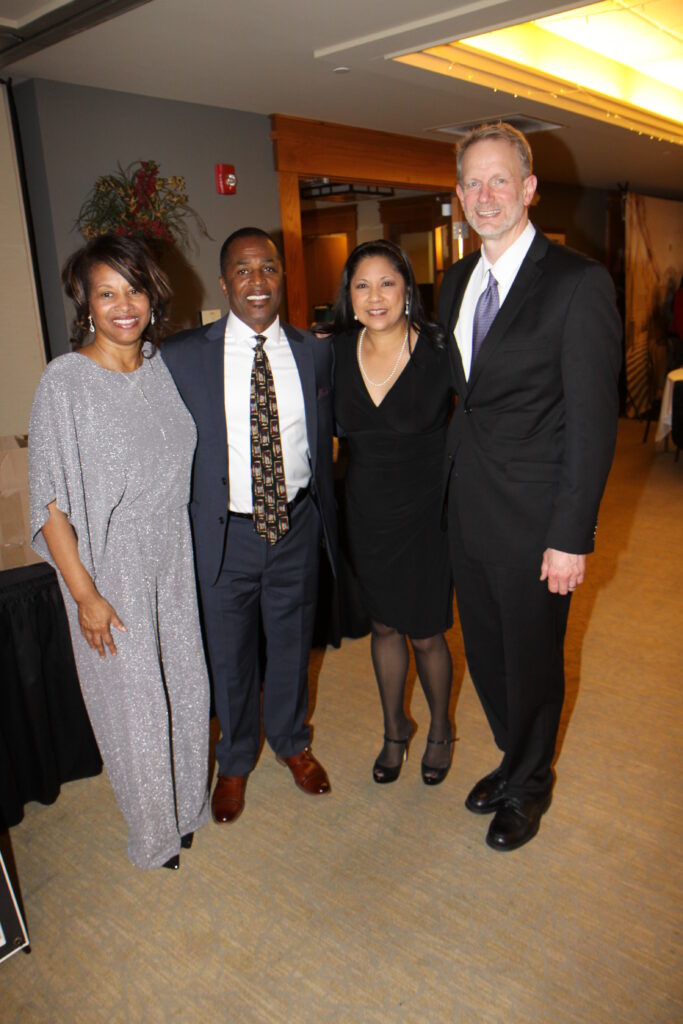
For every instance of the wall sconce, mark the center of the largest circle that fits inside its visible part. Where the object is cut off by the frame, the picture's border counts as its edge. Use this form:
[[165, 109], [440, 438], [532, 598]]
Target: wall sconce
[[461, 231]]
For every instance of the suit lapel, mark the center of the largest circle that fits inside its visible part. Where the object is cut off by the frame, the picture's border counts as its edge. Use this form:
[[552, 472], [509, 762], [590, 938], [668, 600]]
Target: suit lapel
[[303, 357], [456, 302], [527, 275], [213, 371]]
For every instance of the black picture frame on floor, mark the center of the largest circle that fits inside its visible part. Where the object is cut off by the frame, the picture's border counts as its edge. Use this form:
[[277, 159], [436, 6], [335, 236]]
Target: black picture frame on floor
[[13, 934]]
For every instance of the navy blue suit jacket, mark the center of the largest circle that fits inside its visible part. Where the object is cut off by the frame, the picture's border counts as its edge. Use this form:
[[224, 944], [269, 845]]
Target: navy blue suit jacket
[[195, 359]]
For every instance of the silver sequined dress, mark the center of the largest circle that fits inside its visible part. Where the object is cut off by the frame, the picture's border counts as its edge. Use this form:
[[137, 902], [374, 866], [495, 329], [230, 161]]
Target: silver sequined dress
[[115, 451]]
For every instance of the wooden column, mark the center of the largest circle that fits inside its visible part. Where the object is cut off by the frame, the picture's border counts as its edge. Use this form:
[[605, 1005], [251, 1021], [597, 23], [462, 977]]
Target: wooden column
[[290, 214]]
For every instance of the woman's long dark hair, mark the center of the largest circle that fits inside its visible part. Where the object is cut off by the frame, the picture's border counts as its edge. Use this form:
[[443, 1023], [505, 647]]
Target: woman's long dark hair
[[417, 318], [133, 261]]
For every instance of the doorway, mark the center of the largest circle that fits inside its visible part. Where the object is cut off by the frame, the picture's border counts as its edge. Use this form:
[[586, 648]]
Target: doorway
[[306, 149]]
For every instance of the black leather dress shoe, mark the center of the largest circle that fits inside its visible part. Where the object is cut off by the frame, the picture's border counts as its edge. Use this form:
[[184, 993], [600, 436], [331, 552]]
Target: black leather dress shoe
[[516, 821], [488, 794]]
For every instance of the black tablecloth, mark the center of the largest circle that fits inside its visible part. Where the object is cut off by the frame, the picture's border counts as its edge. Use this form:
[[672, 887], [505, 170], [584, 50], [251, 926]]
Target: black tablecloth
[[45, 734]]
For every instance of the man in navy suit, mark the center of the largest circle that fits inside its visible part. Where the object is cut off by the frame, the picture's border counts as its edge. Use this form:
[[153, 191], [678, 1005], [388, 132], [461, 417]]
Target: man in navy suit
[[246, 579], [535, 345]]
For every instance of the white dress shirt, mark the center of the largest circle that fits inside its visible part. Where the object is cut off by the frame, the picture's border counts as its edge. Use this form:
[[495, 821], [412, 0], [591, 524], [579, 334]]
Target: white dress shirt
[[504, 270], [237, 365]]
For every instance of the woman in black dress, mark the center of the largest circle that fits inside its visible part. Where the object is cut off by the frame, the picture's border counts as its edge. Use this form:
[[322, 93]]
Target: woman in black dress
[[393, 397]]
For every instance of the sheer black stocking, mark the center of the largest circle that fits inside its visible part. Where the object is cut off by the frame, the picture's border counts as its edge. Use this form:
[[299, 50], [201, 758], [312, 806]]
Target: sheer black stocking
[[390, 660], [435, 671]]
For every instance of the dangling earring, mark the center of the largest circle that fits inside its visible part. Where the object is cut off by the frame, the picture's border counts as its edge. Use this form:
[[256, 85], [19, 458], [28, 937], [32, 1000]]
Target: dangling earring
[[407, 306], [92, 326], [153, 319]]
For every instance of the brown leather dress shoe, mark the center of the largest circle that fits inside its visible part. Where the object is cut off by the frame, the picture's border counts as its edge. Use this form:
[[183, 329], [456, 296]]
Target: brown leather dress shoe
[[309, 774], [227, 802]]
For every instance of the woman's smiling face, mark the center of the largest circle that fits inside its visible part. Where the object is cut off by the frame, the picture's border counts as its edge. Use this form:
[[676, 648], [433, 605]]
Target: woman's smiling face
[[378, 293], [120, 312]]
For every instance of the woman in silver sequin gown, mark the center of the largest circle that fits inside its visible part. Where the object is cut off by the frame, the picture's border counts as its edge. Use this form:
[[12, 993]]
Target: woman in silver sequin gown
[[110, 455]]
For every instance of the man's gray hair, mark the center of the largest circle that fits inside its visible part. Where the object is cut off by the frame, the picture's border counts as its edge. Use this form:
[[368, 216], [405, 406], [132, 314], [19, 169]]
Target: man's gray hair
[[498, 131]]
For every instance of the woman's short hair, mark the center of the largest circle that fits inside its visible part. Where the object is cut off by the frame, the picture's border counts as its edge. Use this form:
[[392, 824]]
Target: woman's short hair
[[343, 310], [501, 131], [130, 258]]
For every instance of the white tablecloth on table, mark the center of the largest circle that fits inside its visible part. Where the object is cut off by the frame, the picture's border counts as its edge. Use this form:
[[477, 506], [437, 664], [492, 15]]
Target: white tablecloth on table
[[664, 425]]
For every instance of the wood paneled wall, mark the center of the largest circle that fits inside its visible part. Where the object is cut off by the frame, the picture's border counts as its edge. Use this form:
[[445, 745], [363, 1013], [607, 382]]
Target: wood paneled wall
[[305, 148]]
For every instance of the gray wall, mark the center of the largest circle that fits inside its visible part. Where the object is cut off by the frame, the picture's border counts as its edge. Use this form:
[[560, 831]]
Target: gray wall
[[72, 134]]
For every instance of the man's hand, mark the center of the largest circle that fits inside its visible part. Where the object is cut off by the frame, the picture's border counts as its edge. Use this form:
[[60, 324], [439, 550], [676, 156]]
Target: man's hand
[[563, 571]]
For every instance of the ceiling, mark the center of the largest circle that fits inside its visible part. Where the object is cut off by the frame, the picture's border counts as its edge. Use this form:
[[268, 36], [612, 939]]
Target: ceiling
[[285, 57]]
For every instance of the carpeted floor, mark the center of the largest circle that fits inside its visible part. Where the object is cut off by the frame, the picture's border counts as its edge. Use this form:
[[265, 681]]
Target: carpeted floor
[[376, 904]]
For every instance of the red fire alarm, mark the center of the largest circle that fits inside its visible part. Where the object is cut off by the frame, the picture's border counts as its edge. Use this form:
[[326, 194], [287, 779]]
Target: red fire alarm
[[226, 181]]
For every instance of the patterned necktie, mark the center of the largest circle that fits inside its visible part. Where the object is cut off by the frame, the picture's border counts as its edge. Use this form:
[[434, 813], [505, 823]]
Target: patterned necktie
[[268, 489], [484, 314]]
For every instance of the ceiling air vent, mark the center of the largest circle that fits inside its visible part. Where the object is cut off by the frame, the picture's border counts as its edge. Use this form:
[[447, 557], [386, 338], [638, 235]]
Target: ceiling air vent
[[520, 121]]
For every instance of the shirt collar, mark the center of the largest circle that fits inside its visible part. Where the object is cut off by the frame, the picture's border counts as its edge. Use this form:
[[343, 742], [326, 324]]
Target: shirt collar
[[506, 266], [240, 331]]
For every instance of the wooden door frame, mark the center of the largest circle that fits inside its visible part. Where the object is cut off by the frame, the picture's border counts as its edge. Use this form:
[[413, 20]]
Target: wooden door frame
[[320, 149]]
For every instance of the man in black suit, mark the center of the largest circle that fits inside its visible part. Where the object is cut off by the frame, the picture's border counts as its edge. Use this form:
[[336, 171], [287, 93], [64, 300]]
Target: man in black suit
[[247, 578], [535, 344]]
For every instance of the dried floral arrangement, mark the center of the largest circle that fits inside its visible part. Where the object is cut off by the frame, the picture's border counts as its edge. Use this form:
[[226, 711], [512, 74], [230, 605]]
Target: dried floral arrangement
[[140, 203]]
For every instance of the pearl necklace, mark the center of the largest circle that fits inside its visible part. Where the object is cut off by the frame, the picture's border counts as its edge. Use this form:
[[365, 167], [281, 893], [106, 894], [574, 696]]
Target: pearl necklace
[[380, 383]]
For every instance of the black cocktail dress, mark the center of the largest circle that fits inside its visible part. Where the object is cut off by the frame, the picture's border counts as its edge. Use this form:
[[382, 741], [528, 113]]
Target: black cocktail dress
[[394, 534]]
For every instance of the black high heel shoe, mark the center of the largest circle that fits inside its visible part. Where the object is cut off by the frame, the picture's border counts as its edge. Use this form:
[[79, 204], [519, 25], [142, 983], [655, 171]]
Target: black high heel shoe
[[186, 841], [434, 776], [384, 773], [173, 863]]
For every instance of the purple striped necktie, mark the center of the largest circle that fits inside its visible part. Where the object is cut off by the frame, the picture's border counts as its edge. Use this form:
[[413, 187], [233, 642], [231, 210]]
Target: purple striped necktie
[[484, 314]]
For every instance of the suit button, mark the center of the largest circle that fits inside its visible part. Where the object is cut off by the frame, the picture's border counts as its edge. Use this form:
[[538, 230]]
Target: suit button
[[221, 519], [224, 481], [468, 410]]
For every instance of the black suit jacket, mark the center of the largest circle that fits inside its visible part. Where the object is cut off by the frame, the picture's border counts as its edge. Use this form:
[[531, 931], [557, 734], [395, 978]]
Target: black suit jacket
[[195, 359], [533, 435]]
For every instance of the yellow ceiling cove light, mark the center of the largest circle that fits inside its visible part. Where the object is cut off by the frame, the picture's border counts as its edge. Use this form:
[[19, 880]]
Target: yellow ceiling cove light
[[647, 35], [568, 61]]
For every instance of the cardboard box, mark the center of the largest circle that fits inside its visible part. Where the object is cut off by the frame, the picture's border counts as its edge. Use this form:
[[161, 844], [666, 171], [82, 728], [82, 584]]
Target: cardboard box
[[15, 520]]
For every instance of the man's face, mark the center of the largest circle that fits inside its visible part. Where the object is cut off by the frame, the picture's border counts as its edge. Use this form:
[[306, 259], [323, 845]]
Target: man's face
[[252, 281], [493, 193]]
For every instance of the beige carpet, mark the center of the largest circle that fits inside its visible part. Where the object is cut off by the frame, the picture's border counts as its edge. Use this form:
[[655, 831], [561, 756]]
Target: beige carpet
[[383, 904]]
